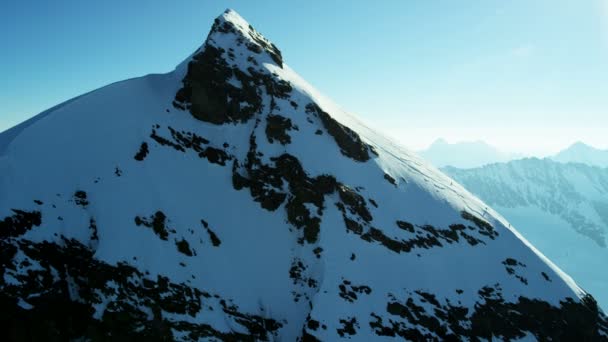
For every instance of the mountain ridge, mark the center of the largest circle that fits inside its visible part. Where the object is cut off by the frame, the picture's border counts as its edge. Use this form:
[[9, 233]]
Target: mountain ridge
[[465, 154], [561, 207], [580, 152], [123, 203]]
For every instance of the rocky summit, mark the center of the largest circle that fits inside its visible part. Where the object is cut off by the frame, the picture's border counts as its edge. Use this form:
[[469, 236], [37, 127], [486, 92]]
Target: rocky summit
[[230, 200]]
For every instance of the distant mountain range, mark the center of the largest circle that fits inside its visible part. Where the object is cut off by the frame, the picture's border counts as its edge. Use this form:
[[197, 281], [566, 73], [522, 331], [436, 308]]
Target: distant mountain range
[[472, 154], [562, 208], [582, 153], [465, 154]]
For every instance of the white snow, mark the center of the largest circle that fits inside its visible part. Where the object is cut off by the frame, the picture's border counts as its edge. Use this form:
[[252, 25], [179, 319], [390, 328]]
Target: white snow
[[79, 146]]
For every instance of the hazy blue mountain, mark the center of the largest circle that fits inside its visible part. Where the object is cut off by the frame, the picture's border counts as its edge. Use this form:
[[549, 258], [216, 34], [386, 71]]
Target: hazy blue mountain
[[561, 208], [582, 153], [464, 154]]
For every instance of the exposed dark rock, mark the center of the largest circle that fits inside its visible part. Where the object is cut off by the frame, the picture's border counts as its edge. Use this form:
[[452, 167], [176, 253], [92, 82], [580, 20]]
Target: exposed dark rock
[[297, 274], [142, 153], [266, 185], [215, 241], [354, 202], [349, 142], [349, 292], [405, 226], [312, 324], [157, 222], [318, 251], [390, 179], [93, 229], [184, 247], [511, 265], [20, 223], [209, 92], [277, 127], [425, 236], [184, 141], [485, 228], [258, 43], [62, 294], [492, 317], [348, 326], [80, 198]]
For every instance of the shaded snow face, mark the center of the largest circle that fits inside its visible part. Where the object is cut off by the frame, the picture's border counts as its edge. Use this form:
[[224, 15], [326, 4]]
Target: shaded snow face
[[230, 200]]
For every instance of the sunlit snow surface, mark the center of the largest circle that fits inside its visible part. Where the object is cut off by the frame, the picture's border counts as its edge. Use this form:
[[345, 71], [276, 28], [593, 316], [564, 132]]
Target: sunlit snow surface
[[89, 144]]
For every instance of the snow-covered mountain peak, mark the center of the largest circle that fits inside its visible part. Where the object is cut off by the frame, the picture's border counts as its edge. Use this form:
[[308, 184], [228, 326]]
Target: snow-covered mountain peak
[[232, 33], [230, 200], [579, 152]]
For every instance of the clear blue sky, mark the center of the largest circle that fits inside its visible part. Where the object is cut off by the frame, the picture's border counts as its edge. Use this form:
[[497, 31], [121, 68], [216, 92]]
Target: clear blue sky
[[525, 75]]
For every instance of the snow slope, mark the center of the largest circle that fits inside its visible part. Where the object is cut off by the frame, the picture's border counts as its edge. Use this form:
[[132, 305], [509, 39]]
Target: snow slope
[[561, 208], [228, 199]]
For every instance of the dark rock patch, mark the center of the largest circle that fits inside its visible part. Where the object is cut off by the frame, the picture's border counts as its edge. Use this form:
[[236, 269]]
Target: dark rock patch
[[317, 251], [183, 247], [349, 326], [349, 292], [349, 142], [184, 141], [405, 226], [142, 153], [61, 295], [277, 127], [20, 223], [485, 228], [80, 198], [209, 93], [215, 241], [354, 202], [266, 185], [425, 236], [511, 265], [390, 179], [158, 223], [93, 230], [263, 44], [297, 272], [492, 317], [312, 324]]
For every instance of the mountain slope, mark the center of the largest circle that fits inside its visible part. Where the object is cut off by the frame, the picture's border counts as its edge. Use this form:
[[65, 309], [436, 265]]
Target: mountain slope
[[464, 154], [582, 153], [561, 208], [230, 200]]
